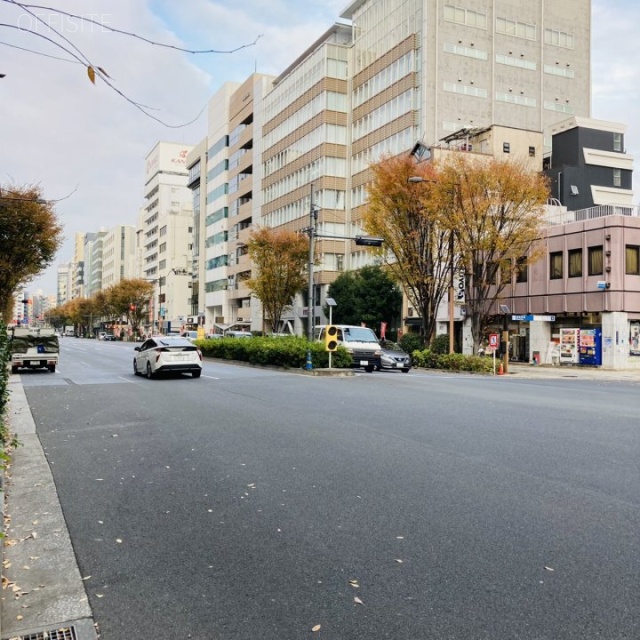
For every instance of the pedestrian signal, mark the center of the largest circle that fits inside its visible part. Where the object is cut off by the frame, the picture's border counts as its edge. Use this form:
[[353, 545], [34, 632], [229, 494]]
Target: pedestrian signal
[[331, 338]]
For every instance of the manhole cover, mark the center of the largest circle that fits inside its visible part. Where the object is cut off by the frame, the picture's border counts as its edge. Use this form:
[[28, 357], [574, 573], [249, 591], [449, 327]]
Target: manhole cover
[[63, 633]]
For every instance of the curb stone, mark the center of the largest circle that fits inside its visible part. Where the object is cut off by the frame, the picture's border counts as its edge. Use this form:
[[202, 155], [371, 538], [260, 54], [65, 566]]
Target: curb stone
[[47, 591]]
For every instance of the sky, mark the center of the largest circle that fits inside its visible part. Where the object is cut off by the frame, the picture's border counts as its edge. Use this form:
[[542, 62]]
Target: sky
[[85, 144]]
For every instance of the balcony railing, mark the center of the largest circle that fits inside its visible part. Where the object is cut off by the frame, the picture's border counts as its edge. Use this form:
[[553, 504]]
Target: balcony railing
[[558, 215]]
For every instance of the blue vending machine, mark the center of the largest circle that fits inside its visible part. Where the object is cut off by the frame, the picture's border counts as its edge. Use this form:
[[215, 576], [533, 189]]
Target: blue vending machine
[[590, 346]]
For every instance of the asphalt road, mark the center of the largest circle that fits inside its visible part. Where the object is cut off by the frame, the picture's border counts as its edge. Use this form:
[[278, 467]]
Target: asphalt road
[[258, 504]]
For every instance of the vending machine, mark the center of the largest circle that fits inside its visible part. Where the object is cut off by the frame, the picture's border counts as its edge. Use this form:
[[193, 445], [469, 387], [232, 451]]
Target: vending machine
[[590, 346], [569, 344]]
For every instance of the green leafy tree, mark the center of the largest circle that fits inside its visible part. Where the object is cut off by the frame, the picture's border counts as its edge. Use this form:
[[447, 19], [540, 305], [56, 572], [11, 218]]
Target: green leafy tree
[[30, 235], [368, 295], [280, 269]]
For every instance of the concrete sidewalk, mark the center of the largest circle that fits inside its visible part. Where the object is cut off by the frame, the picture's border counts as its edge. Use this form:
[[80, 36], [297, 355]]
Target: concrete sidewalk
[[524, 370], [42, 590]]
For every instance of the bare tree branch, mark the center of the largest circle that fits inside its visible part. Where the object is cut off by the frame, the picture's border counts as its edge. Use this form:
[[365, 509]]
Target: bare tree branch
[[134, 35], [93, 69]]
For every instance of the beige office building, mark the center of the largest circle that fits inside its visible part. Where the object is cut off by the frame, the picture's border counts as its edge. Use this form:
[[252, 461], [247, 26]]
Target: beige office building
[[164, 231], [405, 71], [391, 74]]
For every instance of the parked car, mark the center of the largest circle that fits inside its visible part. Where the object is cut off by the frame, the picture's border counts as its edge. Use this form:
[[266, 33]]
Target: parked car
[[238, 334], [192, 336], [360, 342], [164, 354], [393, 357], [109, 337]]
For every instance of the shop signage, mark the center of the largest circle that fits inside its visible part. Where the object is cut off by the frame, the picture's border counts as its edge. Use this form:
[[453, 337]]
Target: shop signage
[[529, 317]]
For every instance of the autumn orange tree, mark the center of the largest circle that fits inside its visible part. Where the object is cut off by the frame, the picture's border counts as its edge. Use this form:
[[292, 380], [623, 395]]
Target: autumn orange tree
[[409, 217], [29, 238], [279, 259], [495, 209], [128, 298]]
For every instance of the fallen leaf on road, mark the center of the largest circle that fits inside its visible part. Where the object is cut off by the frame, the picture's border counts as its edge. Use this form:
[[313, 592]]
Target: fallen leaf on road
[[316, 628], [119, 540], [86, 577], [358, 601], [19, 617], [399, 561], [549, 569]]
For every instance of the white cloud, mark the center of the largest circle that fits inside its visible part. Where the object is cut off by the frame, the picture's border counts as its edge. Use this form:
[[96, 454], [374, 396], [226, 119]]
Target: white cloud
[[61, 131]]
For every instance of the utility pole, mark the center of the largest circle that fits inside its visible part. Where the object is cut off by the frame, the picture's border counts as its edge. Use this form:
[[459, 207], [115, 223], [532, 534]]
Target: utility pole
[[313, 219]]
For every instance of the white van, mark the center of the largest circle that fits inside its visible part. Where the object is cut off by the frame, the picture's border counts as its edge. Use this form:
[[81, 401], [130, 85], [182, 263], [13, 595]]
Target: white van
[[361, 342]]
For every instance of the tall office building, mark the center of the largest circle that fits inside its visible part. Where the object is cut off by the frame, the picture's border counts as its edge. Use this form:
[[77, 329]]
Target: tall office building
[[392, 73], [233, 180], [165, 229], [412, 70]]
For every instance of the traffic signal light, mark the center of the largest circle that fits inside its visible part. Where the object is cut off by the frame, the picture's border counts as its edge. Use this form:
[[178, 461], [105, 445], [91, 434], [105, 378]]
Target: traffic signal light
[[369, 241], [331, 338]]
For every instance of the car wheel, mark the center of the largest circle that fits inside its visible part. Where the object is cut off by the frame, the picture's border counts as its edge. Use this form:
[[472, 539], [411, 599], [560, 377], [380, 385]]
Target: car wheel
[[14, 369], [405, 370], [196, 374], [369, 368], [149, 372], [52, 368], [135, 368]]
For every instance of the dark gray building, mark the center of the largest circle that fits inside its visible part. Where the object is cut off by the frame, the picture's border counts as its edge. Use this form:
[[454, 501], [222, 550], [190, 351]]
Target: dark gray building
[[588, 165]]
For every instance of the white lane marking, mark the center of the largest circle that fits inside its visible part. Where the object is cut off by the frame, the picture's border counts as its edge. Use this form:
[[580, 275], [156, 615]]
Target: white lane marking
[[211, 377], [125, 379]]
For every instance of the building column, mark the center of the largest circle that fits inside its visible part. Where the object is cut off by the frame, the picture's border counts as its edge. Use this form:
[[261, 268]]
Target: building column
[[615, 340], [540, 340]]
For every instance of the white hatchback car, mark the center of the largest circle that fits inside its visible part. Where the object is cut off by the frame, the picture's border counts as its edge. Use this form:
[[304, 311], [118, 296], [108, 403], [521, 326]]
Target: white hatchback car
[[161, 354]]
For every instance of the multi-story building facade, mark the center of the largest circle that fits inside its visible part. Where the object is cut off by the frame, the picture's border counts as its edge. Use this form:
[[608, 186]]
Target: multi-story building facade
[[79, 282], [401, 72], [64, 283], [233, 199], [197, 182], [118, 254], [588, 165]]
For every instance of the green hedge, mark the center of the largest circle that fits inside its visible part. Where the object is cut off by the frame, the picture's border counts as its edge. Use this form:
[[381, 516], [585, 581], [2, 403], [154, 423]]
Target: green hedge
[[452, 361], [5, 357], [285, 351]]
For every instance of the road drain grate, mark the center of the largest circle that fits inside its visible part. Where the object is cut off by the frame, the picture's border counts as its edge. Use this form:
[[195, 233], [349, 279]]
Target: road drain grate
[[64, 633]]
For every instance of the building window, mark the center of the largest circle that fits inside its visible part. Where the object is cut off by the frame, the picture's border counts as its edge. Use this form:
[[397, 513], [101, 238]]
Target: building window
[[522, 270], [617, 177], [506, 147], [558, 38], [632, 260], [517, 29], [555, 265], [595, 261], [532, 152], [575, 263], [617, 142], [465, 16]]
